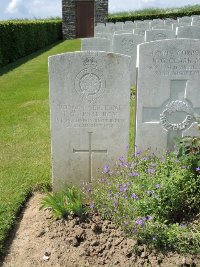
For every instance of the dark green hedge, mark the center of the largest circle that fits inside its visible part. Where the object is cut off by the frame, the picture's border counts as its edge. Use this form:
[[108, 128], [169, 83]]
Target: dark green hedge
[[21, 38], [172, 15]]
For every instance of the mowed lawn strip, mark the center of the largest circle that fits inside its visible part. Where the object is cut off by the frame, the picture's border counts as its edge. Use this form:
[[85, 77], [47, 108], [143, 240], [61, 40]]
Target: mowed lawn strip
[[25, 130]]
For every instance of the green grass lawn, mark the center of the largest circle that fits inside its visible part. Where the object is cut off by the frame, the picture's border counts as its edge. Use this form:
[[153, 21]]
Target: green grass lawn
[[25, 131]]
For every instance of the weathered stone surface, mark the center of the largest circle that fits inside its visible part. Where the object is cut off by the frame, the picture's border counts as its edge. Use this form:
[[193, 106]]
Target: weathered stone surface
[[139, 31], [180, 24], [153, 35], [95, 44], [185, 19], [167, 92], [127, 44], [162, 26], [192, 32], [89, 100]]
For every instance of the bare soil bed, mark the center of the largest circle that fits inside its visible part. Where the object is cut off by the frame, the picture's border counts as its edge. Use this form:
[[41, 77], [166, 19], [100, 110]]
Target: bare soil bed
[[41, 241]]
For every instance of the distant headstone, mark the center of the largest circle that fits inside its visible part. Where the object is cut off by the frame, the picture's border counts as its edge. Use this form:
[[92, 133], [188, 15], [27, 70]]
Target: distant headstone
[[128, 22], [127, 44], [167, 92], [89, 102], [105, 34], [162, 26], [139, 32], [99, 29], [142, 25], [192, 32], [129, 26], [169, 21], [123, 31], [185, 20], [153, 35], [157, 22], [195, 20], [96, 44], [175, 25]]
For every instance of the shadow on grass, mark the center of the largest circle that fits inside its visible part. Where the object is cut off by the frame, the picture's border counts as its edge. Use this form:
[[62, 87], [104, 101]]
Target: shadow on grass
[[19, 62]]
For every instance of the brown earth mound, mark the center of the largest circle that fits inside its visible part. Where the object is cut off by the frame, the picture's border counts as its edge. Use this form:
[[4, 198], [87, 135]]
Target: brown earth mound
[[41, 241]]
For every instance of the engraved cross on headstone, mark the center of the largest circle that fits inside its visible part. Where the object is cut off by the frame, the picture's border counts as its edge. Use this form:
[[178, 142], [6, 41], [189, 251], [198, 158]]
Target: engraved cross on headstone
[[175, 115], [90, 151]]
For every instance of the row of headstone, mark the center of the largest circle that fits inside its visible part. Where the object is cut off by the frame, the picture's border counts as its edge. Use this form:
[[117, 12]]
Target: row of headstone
[[126, 43], [169, 24], [90, 105]]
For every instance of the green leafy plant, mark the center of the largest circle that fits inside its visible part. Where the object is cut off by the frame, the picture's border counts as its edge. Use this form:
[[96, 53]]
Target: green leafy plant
[[65, 203], [152, 197]]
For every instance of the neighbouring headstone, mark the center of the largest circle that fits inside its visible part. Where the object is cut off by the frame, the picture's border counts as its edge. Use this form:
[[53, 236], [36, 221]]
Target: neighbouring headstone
[[104, 35], [139, 31], [153, 35], [127, 44], [196, 21], [192, 32], [90, 107], [128, 26], [142, 25], [175, 25], [169, 21], [162, 26], [185, 19], [157, 22], [96, 44], [167, 92]]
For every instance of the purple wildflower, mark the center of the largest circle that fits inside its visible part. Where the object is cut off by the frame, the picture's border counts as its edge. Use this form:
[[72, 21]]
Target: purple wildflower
[[198, 169], [182, 225], [92, 205], [151, 171], [121, 158], [153, 165], [184, 167], [139, 222], [117, 195], [125, 223], [154, 238], [148, 218], [139, 152], [144, 158], [103, 180], [134, 196], [157, 185], [133, 174], [106, 169], [149, 192], [163, 159]]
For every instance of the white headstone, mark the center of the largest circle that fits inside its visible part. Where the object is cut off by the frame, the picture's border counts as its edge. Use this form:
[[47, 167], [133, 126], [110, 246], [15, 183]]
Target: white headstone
[[153, 35], [99, 29], [169, 21], [89, 102], [192, 32], [139, 32], [96, 44], [175, 25], [163, 27], [167, 92], [123, 31], [106, 35], [185, 20], [142, 25], [196, 21], [129, 26], [157, 22], [127, 44]]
